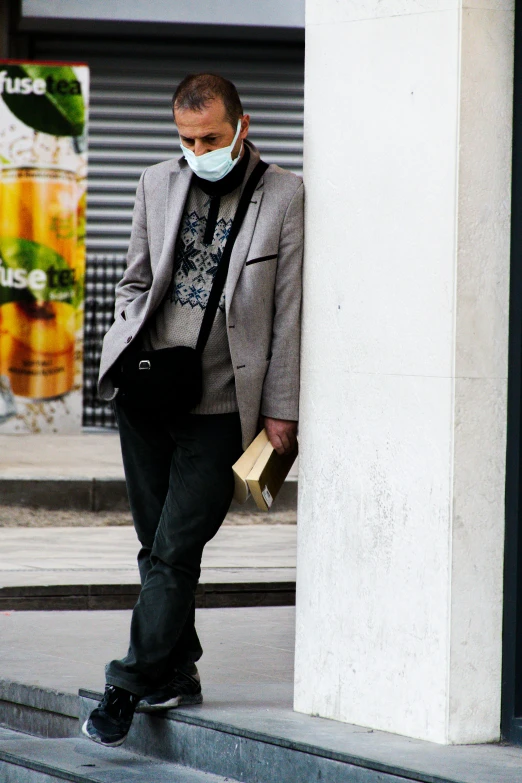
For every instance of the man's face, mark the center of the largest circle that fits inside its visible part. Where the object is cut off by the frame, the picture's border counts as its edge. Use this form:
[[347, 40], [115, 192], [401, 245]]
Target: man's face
[[209, 129]]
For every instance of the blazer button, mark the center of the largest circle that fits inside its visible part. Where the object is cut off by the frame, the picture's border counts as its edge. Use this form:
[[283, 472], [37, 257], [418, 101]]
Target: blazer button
[[128, 339]]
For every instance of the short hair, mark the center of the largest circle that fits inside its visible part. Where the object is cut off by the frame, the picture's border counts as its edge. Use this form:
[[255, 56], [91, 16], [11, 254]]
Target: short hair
[[197, 90]]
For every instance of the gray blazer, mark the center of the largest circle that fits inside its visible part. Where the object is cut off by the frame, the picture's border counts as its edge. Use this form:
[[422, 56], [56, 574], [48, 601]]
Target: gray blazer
[[263, 288]]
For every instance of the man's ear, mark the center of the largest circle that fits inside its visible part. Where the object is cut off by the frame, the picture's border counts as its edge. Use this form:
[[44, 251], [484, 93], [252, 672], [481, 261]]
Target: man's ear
[[245, 125]]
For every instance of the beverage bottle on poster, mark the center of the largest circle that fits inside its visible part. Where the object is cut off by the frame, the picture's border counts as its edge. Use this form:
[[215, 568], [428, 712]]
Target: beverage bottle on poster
[[42, 181]]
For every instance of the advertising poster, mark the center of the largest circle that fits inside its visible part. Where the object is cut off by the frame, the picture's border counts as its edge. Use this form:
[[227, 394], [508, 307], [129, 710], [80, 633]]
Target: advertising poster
[[43, 169]]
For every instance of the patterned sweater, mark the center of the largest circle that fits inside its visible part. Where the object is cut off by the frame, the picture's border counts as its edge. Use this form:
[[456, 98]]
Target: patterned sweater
[[204, 228]]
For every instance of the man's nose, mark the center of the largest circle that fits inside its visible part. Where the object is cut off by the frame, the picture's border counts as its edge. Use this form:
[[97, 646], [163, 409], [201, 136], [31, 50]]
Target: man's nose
[[200, 148]]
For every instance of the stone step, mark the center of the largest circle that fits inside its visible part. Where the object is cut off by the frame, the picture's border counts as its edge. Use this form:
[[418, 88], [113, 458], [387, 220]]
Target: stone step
[[244, 732], [85, 494], [31, 760], [123, 596], [100, 494], [256, 748], [41, 712], [251, 734], [219, 740]]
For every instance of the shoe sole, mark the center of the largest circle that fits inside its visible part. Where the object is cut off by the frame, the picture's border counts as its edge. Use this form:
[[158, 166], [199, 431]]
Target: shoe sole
[[177, 701], [98, 741]]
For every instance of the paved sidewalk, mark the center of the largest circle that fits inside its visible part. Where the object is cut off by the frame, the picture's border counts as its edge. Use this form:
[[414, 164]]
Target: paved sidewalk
[[88, 455], [65, 651], [107, 555]]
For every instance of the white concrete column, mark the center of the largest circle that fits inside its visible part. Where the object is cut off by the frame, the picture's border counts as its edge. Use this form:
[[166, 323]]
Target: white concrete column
[[403, 407]]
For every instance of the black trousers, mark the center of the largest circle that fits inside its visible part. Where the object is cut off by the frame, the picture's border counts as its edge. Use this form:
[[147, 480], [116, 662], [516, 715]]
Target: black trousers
[[180, 486]]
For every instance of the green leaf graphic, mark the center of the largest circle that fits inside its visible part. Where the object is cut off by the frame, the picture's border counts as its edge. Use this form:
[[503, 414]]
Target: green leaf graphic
[[23, 254], [79, 293], [60, 111]]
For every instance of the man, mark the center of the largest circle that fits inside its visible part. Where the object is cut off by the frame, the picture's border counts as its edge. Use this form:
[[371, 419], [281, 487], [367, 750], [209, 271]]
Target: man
[[178, 472]]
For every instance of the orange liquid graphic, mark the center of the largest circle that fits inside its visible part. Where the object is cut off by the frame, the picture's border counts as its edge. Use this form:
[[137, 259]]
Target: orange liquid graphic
[[37, 339], [37, 348]]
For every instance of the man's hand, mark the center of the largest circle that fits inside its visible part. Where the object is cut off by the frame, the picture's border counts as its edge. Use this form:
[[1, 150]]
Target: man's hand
[[282, 434]]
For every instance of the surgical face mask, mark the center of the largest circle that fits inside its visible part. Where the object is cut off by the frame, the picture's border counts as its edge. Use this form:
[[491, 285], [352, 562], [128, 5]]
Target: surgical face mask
[[213, 165]]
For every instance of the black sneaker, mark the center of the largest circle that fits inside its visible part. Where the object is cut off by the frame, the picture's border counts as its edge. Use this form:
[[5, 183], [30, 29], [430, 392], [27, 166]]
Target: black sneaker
[[109, 723], [183, 689]]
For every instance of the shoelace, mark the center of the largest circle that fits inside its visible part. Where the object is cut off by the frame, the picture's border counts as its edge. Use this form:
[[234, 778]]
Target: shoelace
[[115, 704]]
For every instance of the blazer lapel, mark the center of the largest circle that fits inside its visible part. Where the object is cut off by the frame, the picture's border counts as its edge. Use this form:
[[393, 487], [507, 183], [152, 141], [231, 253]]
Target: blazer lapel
[[242, 245], [177, 191]]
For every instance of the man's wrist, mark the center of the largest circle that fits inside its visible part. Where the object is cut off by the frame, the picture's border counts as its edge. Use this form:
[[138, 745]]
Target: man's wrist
[[281, 414]]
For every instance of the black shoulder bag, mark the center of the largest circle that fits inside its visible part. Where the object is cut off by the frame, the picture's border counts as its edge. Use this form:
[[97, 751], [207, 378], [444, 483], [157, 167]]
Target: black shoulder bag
[[160, 384]]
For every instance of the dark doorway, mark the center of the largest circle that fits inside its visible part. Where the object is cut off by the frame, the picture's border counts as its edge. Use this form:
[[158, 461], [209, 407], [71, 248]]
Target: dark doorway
[[512, 659]]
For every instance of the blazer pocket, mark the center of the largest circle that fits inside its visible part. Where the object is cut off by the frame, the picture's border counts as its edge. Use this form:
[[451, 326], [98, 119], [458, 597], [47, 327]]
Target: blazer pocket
[[261, 258]]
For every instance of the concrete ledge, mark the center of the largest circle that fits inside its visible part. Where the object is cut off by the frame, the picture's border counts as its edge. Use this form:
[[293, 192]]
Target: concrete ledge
[[226, 736], [88, 597], [237, 594], [109, 495], [189, 737], [40, 698], [47, 493], [95, 494], [39, 723], [232, 737], [38, 711], [89, 494]]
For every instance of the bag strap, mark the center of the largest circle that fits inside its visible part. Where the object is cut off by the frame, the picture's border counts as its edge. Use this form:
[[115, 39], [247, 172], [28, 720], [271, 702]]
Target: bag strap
[[222, 270]]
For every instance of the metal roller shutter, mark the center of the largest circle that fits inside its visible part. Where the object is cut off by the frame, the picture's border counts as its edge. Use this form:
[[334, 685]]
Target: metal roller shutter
[[131, 125]]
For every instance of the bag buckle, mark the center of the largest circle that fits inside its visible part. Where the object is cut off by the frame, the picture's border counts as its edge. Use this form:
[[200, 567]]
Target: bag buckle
[[144, 364]]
